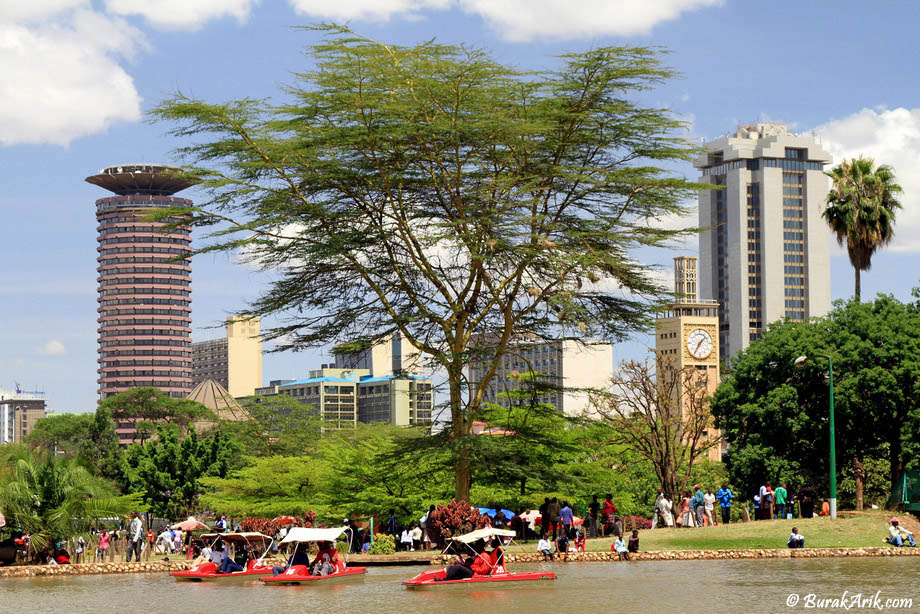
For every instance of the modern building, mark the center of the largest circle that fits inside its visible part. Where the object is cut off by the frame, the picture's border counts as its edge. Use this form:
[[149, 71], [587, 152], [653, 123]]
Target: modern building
[[144, 282], [403, 400], [331, 392], [19, 411], [391, 356], [687, 340], [569, 369], [764, 250], [235, 361]]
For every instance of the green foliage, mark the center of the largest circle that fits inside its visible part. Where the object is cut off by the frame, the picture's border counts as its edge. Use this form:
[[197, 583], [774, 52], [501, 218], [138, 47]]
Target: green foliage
[[278, 425], [267, 486], [775, 417], [383, 544], [167, 469], [433, 191], [54, 498], [149, 407], [61, 433], [877, 482]]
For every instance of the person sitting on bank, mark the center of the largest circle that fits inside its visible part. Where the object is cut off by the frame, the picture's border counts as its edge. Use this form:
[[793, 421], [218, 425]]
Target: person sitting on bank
[[326, 558], [619, 546], [61, 556], [545, 547], [633, 545], [897, 535], [580, 540], [298, 558], [796, 539]]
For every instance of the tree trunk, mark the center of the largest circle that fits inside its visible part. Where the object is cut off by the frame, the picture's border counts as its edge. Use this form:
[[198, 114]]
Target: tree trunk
[[858, 288], [459, 424], [860, 473]]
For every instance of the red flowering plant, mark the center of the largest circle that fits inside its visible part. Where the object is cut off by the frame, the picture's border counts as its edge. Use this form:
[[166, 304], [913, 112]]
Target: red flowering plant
[[636, 522], [455, 518]]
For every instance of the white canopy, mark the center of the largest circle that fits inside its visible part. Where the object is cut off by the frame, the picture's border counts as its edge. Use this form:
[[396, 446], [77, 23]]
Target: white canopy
[[486, 533], [302, 534]]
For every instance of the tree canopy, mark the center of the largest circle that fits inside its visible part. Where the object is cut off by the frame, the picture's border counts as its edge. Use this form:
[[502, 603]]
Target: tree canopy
[[775, 416], [434, 191]]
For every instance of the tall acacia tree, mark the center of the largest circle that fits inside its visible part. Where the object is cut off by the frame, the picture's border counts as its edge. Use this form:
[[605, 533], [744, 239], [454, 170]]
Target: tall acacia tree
[[434, 191], [861, 209]]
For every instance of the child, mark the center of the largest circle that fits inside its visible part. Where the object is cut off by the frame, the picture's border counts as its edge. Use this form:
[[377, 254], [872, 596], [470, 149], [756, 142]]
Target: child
[[619, 546], [633, 542], [580, 541], [545, 548], [562, 546], [796, 539]]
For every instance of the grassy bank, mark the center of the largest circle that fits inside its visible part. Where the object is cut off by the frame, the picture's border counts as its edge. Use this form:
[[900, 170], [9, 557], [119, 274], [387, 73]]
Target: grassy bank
[[850, 529]]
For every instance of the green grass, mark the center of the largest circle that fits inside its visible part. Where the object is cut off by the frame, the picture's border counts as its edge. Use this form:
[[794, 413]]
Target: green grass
[[851, 529]]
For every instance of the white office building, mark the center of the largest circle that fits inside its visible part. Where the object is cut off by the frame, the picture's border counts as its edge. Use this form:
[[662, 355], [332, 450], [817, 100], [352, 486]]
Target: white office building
[[764, 250]]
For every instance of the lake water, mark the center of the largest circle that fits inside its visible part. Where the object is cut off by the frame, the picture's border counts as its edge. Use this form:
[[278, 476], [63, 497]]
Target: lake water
[[586, 588]]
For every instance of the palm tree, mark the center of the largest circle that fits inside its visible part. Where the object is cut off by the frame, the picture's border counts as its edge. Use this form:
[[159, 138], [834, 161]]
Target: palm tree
[[861, 209], [53, 498]]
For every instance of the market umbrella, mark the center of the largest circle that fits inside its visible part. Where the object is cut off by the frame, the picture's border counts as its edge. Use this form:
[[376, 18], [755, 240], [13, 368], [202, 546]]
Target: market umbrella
[[190, 525], [532, 518], [283, 520], [577, 522], [491, 513]]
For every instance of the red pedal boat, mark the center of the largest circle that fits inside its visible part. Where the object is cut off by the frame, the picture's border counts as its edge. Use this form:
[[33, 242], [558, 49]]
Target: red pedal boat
[[300, 574], [207, 571], [497, 575]]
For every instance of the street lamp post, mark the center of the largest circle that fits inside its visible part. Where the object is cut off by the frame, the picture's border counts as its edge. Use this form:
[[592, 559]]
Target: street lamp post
[[800, 362]]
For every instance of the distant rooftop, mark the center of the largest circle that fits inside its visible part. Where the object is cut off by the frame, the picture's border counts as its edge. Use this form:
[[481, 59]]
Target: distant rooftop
[[150, 179]]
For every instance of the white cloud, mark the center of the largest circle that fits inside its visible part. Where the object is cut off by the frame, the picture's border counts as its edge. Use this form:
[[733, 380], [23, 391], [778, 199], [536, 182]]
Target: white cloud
[[522, 20], [182, 14], [52, 348], [35, 10], [61, 78], [889, 136]]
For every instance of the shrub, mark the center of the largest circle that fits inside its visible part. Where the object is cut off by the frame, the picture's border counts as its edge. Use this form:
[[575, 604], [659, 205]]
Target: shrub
[[456, 518], [268, 526], [383, 544]]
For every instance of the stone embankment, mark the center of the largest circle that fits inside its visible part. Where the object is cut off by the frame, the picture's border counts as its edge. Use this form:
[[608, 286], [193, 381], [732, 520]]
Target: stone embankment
[[29, 571], [719, 555]]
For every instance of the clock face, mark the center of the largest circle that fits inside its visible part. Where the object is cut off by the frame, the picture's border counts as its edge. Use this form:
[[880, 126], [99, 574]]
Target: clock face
[[699, 343]]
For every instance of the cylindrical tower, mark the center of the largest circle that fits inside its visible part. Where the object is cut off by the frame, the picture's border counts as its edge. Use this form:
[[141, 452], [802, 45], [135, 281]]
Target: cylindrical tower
[[144, 282]]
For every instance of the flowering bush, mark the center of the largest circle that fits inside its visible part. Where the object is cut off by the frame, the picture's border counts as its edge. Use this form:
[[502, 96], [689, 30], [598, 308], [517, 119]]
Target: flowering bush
[[456, 518], [636, 522], [268, 526], [383, 544]]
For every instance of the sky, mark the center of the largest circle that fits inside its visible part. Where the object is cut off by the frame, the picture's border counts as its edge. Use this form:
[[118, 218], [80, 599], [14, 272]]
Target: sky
[[77, 78]]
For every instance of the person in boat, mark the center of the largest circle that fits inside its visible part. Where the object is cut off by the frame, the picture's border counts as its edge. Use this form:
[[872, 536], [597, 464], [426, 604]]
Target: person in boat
[[462, 570], [218, 555], [482, 564], [298, 558], [243, 554], [326, 558], [497, 557]]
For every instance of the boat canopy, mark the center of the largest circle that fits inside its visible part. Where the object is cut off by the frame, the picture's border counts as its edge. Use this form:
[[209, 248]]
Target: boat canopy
[[237, 537], [486, 533], [303, 534]]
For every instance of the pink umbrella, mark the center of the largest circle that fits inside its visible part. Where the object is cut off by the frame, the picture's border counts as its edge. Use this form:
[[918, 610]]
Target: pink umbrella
[[577, 522], [190, 525]]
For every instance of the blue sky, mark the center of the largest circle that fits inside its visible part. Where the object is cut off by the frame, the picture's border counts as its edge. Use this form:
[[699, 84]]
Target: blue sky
[[78, 76]]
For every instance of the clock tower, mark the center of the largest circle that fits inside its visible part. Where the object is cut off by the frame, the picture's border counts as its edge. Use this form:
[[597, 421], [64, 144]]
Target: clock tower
[[687, 333]]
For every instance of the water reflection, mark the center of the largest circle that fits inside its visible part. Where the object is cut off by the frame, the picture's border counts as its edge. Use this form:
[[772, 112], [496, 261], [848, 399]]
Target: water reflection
[[678, 586]]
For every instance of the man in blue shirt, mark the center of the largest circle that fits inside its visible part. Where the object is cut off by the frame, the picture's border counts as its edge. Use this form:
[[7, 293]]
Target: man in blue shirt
[[567, 518], [724, 495]]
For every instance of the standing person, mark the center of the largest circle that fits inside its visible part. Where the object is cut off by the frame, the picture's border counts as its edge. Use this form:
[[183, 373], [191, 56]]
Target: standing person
[[568, 519], [709, 503], [544, 521], [686, 517], [103, 545], [553, 510], [135, 538], [165, 541], [766, 502], [665, 508], [150, 538], [430, 538], [780, 495], [80, 549], [221, 525], [406, 539], [757, 513], [807, 497], [655, 511], [416, 537], [608, 512], [725, 496], [593, 509], [177, 541], [697, 505], [392, 528]]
